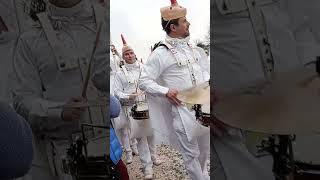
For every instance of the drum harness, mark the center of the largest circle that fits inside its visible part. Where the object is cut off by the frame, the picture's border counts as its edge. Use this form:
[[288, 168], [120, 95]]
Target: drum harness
[[196, 107], [130, 80]]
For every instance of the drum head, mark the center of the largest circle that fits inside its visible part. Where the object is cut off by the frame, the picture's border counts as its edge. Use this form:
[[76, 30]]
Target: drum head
[[142, 107], [205, 109]]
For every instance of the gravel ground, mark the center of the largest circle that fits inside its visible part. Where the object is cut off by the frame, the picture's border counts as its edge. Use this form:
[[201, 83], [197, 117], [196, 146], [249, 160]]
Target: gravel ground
[[171, 168]]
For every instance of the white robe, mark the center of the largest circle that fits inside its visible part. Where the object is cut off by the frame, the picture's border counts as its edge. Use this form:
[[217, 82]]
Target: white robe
[[162, 67], [39, 88], [176, 125]]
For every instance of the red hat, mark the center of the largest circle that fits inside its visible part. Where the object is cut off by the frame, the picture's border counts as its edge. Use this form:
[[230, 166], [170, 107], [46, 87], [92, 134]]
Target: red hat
[[125, 45]]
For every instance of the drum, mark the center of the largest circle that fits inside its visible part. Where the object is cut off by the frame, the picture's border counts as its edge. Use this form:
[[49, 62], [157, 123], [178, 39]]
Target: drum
[[140, 111], [306, 171], [205, 115], [306, 154], [202, 113], [87, 158]]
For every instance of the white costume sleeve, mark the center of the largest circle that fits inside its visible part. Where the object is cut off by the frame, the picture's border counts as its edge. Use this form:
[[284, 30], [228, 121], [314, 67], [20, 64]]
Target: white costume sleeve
[[119, 88], [204, 63], [28, 100], [150, 73]]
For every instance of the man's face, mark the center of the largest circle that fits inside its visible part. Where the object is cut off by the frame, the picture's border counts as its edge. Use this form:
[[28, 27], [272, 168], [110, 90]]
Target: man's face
[[129, 56], [182, 29], [113, 49]]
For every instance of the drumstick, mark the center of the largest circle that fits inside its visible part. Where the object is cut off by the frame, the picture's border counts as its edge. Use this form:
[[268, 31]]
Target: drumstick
[[138, 80], [86, 82], [80, 105]]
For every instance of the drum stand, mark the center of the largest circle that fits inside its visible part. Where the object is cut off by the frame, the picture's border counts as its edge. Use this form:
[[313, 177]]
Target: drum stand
[[84, 167], [280, 147]]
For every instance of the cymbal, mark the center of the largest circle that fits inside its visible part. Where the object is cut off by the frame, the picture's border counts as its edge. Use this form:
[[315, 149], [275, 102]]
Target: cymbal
[[196, 95], [290, 104]]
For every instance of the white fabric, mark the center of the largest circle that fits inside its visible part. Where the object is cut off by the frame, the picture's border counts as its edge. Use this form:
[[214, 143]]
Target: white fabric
[[124, 85], [32, 101], [114, 68], [305, 25], [11, 12], [304, 28], [237, 64], [163, 65], [152, 147], [122, 88], [35, 103], [144, 153], [125, 139], [236, 61], [141, 143], [160, 73], [236, 162]]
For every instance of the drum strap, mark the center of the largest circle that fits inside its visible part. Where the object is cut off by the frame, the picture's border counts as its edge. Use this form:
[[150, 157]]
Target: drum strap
[[254, 9], [63, 60], [56, 45], [180, 63], [129, 79], [259, 28]]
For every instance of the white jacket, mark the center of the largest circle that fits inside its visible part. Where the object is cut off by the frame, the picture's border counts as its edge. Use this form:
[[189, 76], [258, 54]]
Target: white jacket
[[163, 72]]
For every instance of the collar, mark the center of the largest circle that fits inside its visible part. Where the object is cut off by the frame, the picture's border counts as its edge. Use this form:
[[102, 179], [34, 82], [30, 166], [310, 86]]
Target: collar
[[132, 66], [177, 41]]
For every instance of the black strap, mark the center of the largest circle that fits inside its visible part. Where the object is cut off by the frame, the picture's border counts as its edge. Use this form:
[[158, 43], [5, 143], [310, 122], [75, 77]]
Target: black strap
[[158, 44]]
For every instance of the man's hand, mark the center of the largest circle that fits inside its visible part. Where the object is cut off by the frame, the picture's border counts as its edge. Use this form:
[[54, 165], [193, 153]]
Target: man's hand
[[70, 113], [172, 96], [134, 95]]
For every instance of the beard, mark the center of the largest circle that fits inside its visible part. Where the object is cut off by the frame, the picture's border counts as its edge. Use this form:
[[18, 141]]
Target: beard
[[186, 34]]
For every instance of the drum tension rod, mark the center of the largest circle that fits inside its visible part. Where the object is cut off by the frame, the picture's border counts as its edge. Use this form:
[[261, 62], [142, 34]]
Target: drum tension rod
[[280, 147]]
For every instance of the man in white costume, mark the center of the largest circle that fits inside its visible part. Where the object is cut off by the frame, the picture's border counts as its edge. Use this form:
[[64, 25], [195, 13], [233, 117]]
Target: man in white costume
[[253, 40], [50, 65], [116, 62], [126, 90], [171, 68]]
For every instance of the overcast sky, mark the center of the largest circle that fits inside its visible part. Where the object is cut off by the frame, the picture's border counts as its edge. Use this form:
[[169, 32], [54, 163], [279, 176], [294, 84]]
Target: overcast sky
[[140, 22]]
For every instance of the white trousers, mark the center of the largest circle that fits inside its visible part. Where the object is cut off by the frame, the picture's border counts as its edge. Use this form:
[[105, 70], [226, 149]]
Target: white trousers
[[233, 161], [141, 142], [152, 146], [195, 153], [47, 162]]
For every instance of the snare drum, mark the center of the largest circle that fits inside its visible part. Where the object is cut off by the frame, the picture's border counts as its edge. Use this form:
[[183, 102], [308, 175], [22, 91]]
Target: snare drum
[[205, 115], [202, 114], [140, 111], [306, 153]]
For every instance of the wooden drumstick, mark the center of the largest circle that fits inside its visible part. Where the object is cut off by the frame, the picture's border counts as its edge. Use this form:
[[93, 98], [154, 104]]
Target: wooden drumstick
[[138, 81], [86, 82]]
